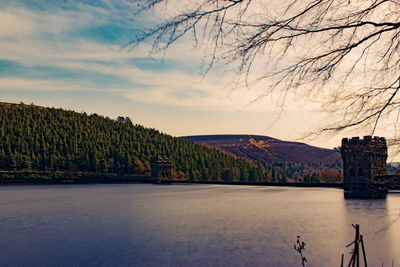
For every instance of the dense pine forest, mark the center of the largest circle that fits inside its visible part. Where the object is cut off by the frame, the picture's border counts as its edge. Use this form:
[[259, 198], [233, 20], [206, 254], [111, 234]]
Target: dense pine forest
[[37, 139]]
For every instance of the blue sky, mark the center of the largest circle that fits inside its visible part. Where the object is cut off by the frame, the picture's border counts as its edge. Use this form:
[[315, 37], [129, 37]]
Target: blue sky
[[72, 54]]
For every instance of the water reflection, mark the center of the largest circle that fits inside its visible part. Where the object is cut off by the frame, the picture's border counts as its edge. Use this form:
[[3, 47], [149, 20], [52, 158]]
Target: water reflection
[[189, 225], [393, 228], [377, 218]]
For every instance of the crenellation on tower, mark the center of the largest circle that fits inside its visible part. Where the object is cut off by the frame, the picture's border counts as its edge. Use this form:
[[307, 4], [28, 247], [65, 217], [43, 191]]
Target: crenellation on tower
[[363, 160], [161, 168]]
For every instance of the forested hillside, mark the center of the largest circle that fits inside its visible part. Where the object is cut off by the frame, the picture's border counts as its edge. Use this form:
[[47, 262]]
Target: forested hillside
[[34, 138], [283, 160]]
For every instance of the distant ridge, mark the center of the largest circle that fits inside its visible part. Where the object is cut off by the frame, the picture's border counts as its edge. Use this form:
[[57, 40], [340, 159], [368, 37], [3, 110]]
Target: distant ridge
[[267, 149]]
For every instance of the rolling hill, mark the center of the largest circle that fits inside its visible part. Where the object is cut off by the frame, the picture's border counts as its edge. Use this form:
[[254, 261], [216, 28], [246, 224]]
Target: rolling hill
[[39, 139], [267, 149]]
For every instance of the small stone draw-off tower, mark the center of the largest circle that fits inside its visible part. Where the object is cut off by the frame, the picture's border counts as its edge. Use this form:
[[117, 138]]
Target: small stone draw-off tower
[[161, 168], [363, 160]]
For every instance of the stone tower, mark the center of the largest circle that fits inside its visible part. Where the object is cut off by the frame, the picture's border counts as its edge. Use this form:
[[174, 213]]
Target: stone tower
[[161, 168], [363, 160]]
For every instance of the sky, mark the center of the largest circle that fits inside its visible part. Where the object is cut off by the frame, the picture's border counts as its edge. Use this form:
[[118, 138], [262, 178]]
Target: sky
[[73, 54]]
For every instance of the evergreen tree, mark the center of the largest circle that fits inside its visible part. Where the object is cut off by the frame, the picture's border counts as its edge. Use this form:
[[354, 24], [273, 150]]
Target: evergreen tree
[[46, 139]]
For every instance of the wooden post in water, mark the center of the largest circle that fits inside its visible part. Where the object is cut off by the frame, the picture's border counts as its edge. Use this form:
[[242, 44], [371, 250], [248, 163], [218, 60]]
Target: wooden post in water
[[352, 260], [363, 250], [357, 245], [355, 257]]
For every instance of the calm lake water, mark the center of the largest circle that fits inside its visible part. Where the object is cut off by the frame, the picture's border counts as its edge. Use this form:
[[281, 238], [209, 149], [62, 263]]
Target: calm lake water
[[190, 225]]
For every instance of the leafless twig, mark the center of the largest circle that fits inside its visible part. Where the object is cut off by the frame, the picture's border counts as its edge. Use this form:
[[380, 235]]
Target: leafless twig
[[344, 54]]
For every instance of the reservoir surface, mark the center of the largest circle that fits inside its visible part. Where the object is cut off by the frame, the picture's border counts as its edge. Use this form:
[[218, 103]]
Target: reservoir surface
[[190, 225]]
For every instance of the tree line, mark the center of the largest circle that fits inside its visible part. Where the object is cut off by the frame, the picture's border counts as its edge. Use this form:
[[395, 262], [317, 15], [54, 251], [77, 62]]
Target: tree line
[[34, 138]]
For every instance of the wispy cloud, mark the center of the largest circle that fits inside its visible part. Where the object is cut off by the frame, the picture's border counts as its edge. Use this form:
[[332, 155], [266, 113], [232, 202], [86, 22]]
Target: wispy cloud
[[63, 52], [77, 46], [72, 51]]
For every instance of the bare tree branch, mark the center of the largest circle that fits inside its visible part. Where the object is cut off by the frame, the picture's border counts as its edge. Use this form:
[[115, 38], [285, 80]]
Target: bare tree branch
[[345, 52]]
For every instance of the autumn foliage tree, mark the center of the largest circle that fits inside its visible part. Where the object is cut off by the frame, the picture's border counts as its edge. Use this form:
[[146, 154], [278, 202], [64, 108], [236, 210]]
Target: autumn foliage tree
[[331, 176]]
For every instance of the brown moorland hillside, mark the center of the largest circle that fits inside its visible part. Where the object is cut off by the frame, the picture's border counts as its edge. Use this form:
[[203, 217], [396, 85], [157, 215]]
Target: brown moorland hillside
[[267, 149]]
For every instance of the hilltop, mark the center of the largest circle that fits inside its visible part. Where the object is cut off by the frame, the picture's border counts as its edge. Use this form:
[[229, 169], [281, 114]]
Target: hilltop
[[39, 139], [267, 149], [283, 159]]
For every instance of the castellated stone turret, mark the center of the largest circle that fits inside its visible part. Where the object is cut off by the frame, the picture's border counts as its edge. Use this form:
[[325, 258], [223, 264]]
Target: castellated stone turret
[[161, 168], [363, 159]]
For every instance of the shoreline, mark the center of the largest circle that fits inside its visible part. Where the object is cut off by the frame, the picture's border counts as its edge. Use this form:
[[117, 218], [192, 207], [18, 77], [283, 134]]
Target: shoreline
[[148, 180]]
